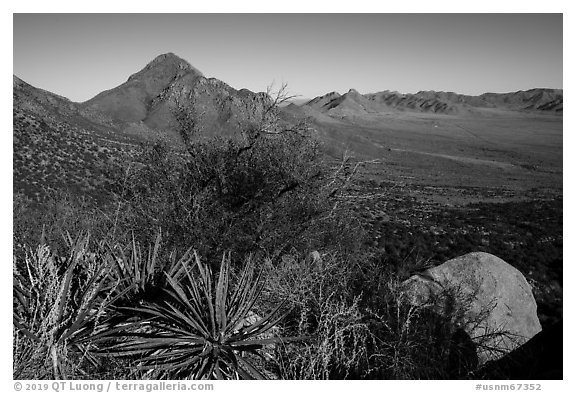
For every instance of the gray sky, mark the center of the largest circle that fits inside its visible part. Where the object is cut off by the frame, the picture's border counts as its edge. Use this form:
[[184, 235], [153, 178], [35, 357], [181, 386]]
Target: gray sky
[[79, 55]]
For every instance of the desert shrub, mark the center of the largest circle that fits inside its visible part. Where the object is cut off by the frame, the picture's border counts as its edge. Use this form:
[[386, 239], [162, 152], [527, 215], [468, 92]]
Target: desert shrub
[[308, 283], [339, 347], [351, 342], [413, 341], [265, 193], [60, 216]]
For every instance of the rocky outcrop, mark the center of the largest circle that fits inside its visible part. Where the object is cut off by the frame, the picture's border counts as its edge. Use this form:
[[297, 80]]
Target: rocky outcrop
[[483, 296]]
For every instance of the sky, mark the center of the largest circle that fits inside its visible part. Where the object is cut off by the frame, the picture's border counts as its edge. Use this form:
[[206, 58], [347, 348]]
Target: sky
[[80, 55]]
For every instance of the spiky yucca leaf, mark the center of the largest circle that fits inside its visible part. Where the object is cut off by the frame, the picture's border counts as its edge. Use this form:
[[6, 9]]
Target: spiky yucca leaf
[[196, 330], [136, 275]]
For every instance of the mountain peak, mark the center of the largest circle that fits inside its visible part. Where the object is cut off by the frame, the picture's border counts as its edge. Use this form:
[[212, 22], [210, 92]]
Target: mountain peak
[[167, 55], [167, 64], [131, 101], [169, 58]]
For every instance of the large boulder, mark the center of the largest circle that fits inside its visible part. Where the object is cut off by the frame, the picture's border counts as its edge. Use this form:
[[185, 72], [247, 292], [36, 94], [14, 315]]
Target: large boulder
[[484, 297]]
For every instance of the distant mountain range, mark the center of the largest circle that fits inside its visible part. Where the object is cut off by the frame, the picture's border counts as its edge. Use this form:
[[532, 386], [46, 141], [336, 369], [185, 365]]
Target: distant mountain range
[[354, 103]]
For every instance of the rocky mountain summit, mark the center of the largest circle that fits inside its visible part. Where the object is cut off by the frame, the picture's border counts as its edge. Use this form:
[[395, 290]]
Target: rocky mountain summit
[[150, 96], [131, 101]]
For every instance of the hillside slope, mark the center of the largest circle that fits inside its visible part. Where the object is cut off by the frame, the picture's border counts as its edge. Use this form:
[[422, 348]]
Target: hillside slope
[[58, 145]]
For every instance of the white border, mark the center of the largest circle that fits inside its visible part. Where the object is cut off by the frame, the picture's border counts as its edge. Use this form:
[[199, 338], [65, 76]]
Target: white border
[[294, 6]]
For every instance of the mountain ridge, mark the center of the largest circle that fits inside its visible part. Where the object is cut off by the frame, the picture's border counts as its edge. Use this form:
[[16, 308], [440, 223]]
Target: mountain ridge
[[354, 103]]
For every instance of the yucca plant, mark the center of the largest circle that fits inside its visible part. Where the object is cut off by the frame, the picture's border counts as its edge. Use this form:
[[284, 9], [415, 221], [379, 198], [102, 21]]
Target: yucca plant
[[201, 328], [58, 303], [138, 276]]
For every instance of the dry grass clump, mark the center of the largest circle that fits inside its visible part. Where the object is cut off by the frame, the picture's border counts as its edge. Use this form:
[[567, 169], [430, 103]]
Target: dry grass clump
[[58, 304], [339, 348]]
